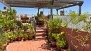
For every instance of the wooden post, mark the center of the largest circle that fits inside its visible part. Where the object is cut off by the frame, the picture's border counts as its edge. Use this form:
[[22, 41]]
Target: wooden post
[[57, 11], [51, 13], [79, 10], [38, 10]]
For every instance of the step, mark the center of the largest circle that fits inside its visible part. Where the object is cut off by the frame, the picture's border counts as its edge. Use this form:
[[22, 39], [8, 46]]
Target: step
[[44, 35], [40, 31], [40, 38]]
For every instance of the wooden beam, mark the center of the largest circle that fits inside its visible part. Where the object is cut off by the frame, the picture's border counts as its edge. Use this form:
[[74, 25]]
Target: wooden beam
[[2, 1], [72, 5]]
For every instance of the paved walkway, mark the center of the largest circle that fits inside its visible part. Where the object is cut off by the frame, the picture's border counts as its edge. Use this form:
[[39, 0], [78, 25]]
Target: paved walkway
[[31, 45]]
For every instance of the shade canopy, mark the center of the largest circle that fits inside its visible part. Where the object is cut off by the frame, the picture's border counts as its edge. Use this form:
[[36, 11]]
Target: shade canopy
[[56, 4]]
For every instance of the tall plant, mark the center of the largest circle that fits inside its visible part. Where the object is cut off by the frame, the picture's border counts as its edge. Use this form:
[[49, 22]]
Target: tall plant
[[54, 24]]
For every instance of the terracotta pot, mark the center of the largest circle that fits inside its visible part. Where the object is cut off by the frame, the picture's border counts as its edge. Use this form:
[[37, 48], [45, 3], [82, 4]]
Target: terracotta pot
[[25, 39], [30, 37], [19, 38], [53, 44], [8, 41], [58, 47]]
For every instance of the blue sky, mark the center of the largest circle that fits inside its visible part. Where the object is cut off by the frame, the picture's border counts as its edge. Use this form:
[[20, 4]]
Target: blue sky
[[86, 7]]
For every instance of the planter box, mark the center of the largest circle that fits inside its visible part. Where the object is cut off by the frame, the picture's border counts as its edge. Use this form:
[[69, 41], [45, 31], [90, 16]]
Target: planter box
[[72, 41]]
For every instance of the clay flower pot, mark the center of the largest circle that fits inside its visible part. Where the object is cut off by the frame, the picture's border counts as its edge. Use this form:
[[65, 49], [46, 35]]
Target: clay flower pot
[[30, 37], [19, 38], [53, 44], [58, 47]]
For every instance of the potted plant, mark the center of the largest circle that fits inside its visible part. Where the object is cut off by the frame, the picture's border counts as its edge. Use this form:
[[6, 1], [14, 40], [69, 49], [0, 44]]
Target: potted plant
[[53, 40], [19, 35], [25, 27], [19, 38], [61, 45], [30, 36], [60, 41], [25, 36], [31, 32], [14, 36]]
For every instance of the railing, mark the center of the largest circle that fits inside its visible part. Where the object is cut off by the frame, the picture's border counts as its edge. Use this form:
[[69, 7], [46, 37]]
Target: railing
[[33, 22]]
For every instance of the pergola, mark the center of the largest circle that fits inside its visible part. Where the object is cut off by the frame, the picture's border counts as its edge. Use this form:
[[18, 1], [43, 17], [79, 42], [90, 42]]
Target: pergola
[[50, 4]]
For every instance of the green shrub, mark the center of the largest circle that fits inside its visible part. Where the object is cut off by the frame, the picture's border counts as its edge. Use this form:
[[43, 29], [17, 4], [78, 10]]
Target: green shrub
[[54, 24]]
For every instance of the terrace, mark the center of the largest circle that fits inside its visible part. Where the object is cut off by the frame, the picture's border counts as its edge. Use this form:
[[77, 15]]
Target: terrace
[[41, 33]]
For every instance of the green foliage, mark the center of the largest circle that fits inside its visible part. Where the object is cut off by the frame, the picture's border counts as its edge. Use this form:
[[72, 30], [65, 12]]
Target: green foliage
[[60, 39], [51, 37], [54, 24], [65, 24], [19, 24], [25, 35], [83, 16], [25, 25], [73, 14], [87, 27], [3, 40], [19, 33], [41, 17], [11, 13], [7, 20], [9, 34], [62, 43], [12, 24]]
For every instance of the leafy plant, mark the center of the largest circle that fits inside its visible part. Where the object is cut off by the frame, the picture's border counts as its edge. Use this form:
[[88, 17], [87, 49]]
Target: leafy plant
[[64, 24], [12, 24], [3, 40], [62, 43], [25, 35], [9, 35], [19, 24], [19, 33], [60, 39], [87, 27], [54, 24]]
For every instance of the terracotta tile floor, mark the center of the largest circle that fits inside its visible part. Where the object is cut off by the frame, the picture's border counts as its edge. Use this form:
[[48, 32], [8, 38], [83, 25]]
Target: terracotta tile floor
[[31, 45]]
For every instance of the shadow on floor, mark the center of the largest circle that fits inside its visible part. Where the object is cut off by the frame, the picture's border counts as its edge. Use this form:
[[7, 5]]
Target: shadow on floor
[[48, 47]]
